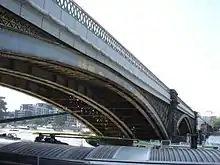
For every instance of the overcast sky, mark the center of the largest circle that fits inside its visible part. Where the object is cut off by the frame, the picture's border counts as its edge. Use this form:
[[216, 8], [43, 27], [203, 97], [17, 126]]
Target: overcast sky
[[178, 40]]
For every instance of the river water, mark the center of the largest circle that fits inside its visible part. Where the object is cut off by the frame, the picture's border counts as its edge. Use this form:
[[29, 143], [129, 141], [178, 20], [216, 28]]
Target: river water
[[27, 135]]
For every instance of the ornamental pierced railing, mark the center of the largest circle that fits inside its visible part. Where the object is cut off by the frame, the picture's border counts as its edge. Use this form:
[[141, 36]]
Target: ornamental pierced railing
[[85, 19]]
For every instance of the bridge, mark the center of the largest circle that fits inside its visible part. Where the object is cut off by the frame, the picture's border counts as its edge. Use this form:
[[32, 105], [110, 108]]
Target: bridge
[[55, 51]]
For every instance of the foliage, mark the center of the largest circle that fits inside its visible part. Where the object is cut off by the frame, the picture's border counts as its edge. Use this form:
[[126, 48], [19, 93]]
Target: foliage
[[37, 121], [60, 120], [216, 123], [3, 108]]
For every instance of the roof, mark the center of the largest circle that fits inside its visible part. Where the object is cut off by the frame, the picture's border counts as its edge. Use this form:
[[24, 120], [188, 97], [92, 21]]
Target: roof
[[112, 153]]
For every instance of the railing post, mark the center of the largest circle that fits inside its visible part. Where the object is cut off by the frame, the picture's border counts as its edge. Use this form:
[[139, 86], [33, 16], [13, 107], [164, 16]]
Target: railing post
[[172, 114]]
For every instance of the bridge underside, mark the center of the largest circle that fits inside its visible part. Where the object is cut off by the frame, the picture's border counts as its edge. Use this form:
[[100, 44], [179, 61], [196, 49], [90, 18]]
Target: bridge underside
[[96, 103], [106, 107], [183, 128]]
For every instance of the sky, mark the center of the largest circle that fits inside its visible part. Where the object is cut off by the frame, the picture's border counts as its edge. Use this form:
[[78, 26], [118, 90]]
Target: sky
[[178, 40]]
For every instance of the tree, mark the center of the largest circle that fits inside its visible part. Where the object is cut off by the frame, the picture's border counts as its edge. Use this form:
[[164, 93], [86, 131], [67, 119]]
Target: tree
[[3, 108], [60, 120], [38, 121], [216, 123]]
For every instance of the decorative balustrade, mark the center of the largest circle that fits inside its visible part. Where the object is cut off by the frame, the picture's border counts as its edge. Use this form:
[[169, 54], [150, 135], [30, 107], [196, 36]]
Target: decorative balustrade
[[87, 21], [81, 16]]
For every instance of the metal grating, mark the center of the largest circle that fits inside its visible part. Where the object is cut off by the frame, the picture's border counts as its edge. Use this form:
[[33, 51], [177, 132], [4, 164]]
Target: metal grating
[[185, 155], [103, 152], [46, 150]]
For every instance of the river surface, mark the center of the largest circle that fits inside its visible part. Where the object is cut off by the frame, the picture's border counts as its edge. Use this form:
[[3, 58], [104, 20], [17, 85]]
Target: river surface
[[27, 135]]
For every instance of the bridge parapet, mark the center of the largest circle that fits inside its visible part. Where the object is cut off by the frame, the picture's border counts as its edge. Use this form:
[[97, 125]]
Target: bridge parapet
[[85, 19], [185, 108]]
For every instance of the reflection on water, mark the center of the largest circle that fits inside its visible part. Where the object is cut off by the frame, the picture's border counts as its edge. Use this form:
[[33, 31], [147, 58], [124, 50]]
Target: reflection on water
[[27, 135]]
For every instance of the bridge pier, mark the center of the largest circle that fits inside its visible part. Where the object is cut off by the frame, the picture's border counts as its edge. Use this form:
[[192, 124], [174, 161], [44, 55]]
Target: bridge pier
[[172, 124]]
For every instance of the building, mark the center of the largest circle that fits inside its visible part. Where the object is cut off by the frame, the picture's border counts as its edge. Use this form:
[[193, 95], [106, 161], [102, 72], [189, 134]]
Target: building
[[71, 121], [18, 113], [32, 110], [28, 109], [43, 109], [9, 115]]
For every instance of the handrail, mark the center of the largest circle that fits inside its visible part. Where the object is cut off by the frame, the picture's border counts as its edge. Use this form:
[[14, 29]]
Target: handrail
[[85, 19]]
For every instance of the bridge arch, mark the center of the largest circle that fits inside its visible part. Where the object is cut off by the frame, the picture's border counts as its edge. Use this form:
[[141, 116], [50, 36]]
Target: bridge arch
[[28, 59], [19, 79], [184, 125], [61, 107]]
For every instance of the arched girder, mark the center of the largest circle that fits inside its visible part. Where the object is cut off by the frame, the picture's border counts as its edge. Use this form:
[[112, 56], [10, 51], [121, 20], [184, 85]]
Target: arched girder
[[82, 96], [44, 80], [64, 90], [44, 47], [144, 114], [53, 95], [183, 125], [160, 107], [61, 107]]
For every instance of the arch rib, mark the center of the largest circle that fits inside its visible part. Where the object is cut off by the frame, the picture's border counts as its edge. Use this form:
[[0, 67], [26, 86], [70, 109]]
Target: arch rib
[[70, 92], [186, 118], [90, 126]]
